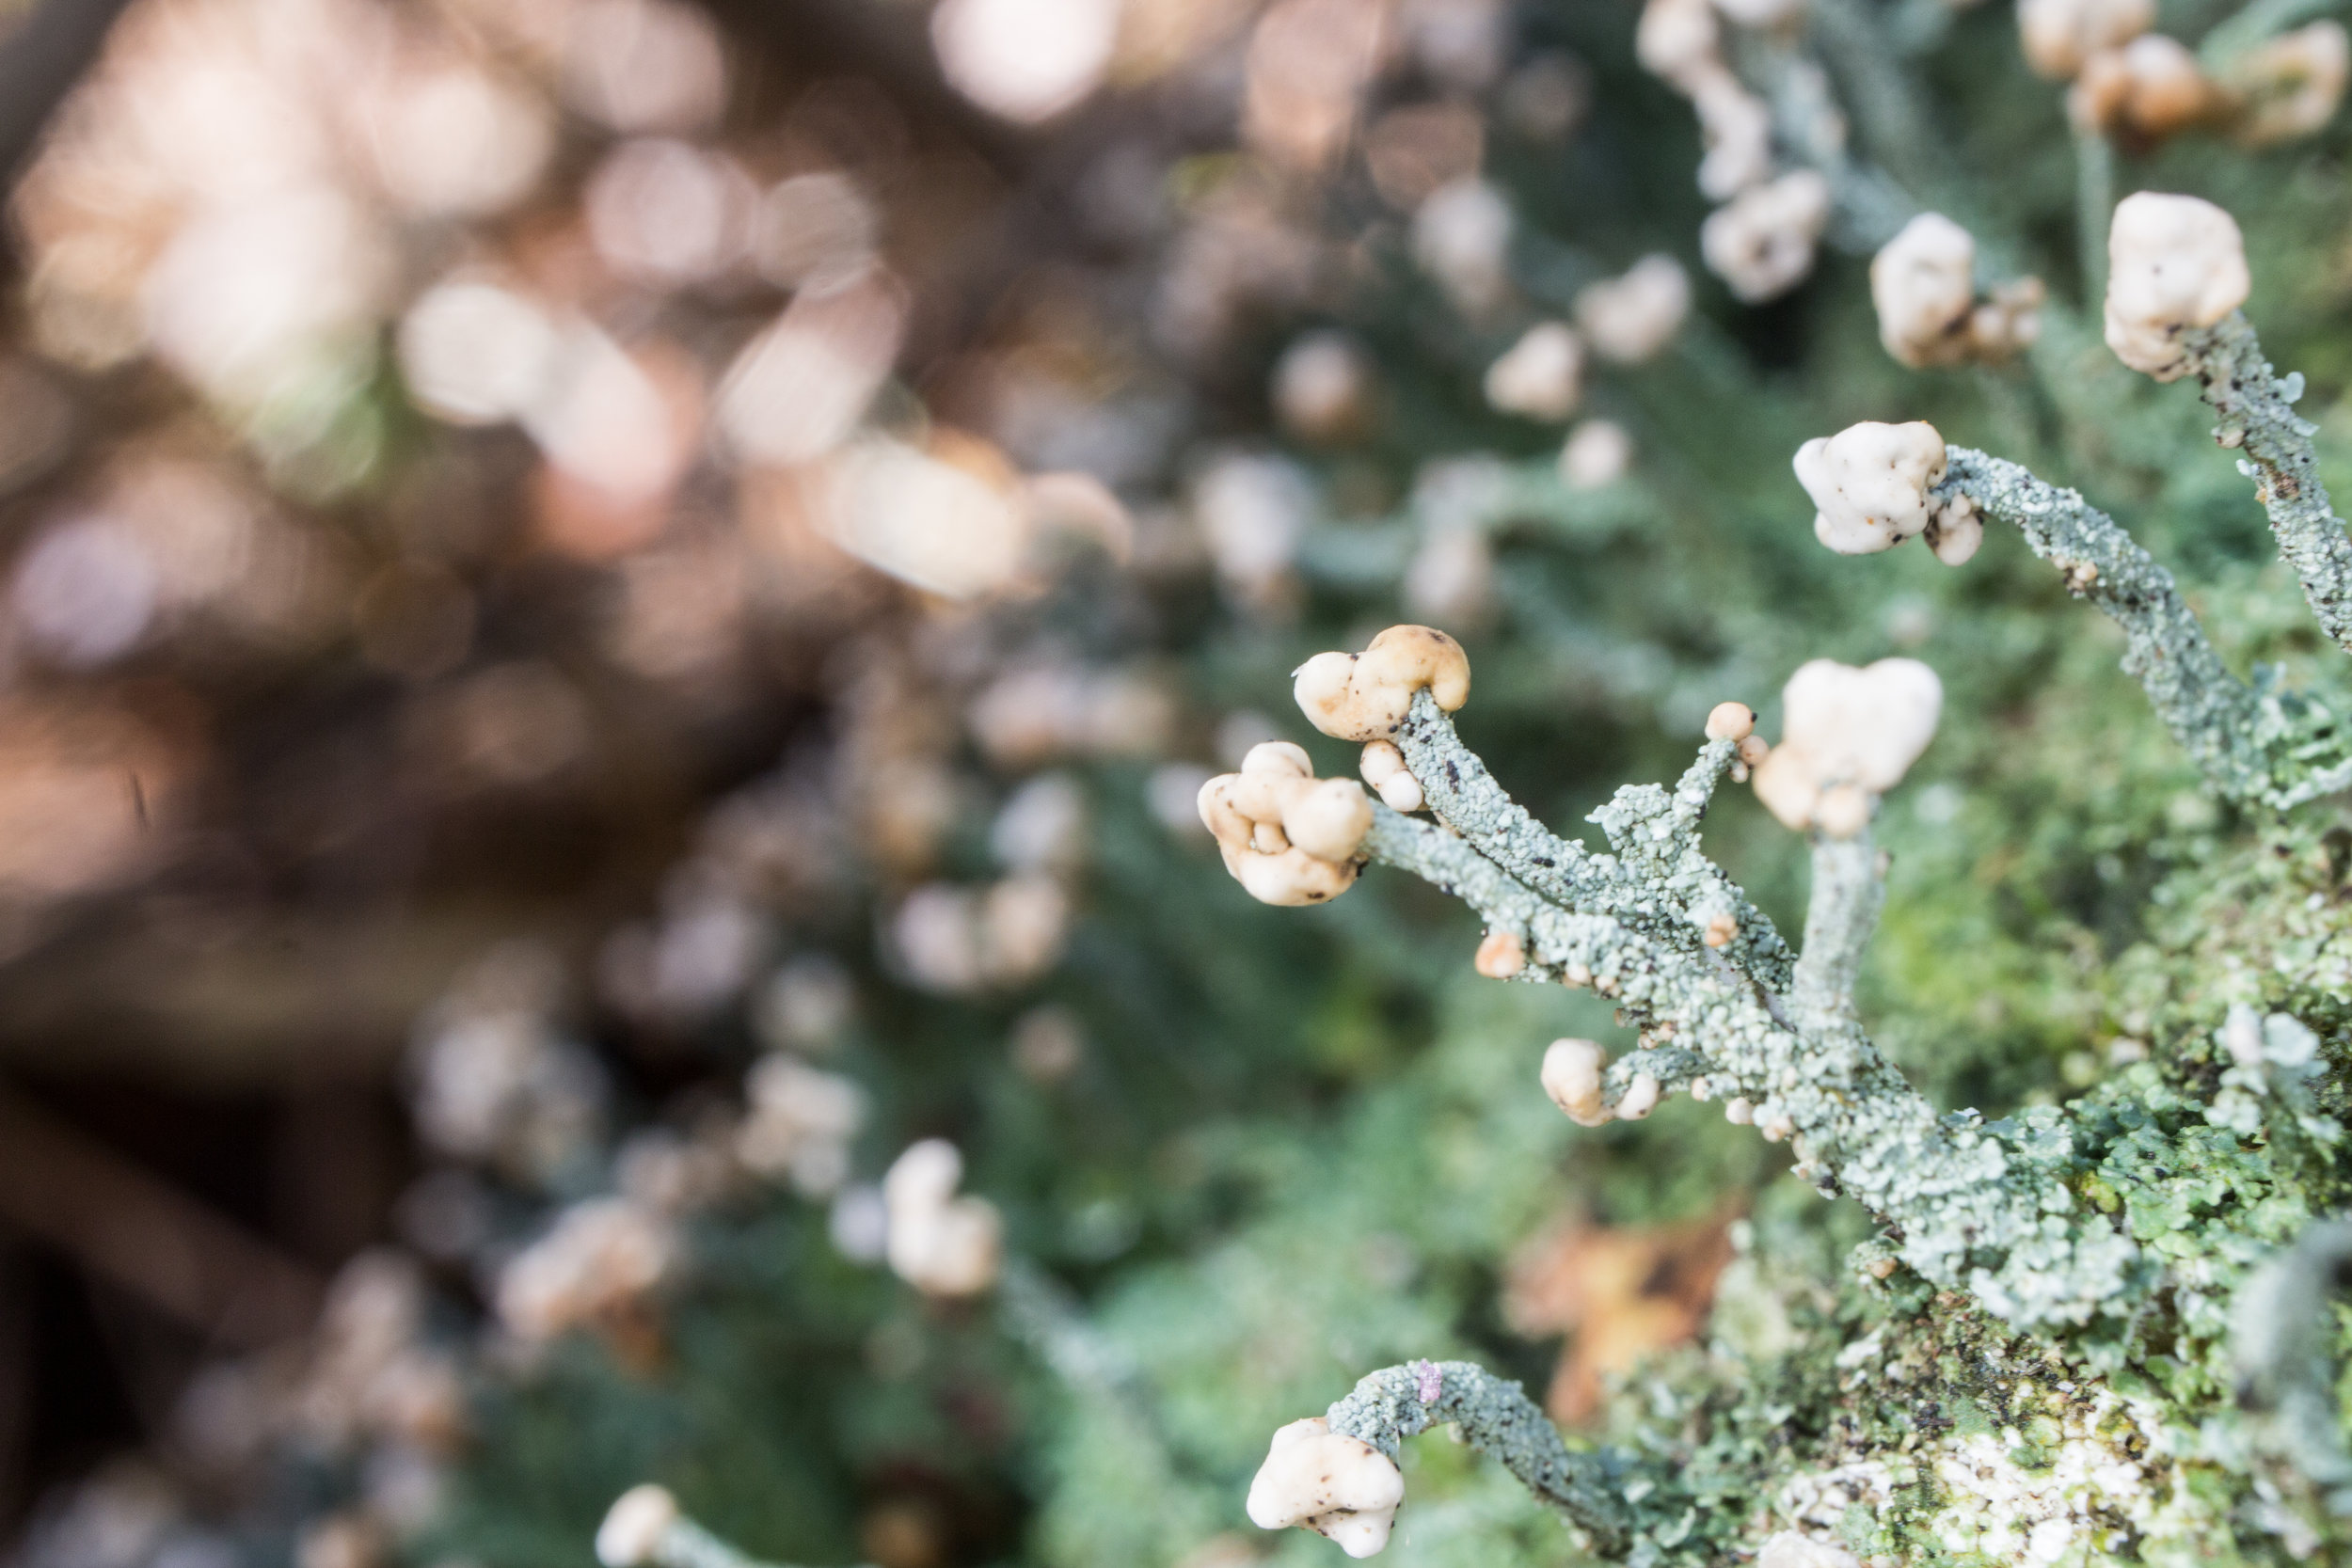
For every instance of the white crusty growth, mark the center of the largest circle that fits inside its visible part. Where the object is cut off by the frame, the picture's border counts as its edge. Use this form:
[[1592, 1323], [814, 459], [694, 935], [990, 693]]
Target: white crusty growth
[[1287, 836], [1342, 1487], [1365, 696], [1870, 482], [2174, 263], [1847, 736]]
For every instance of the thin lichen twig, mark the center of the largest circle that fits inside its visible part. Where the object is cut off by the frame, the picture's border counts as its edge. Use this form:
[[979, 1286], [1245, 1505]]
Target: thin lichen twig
[[2257, 410], [2258, 746], [1497, 1419]]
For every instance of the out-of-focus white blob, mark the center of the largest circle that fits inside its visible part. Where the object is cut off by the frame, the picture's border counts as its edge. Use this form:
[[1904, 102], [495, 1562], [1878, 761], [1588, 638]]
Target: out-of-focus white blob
[[1678, 41], [1462, 239], [939, 1242], [2059, 35], [1458, 43], [602, 419], [1629, 319], [86, 592], [641, 66], [599, 1259], [1308, 64], [800, 1124], [1737, 126], [665, 213], [1323, 387], [453, 141], [1043, 827], [247, 299], [2152, 87], [1846, 735], [2292, 85], [1599, 452], [1252, 513], [1923, 284], [1761, 243], [1025, 60], [1540, 376], [634, 1525], [859, 1223], [932, 524], [475, 352], [798, 388], [1452, 576], [816, 232]]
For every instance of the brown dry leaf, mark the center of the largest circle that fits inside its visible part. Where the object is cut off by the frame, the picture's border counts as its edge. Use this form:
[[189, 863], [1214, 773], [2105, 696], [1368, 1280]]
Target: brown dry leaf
[[1620, 1292]]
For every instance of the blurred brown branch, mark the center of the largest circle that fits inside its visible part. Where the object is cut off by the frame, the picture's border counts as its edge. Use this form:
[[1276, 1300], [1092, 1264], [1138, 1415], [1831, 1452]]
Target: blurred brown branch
[[125, 1226]]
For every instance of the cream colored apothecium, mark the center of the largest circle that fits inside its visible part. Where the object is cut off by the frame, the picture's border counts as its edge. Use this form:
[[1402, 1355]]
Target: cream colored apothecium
[[1287, 836], [1341, 1487], [1871, 483], [2174, 263], [1847, 736]]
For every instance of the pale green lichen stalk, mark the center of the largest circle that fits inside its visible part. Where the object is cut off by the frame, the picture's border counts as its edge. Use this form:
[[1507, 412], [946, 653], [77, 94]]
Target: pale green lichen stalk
[[2254, 742], [2257, 411], [1495, 1417]]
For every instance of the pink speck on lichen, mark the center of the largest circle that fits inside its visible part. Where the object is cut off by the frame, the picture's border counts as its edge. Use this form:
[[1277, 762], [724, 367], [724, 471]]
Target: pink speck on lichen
[[1432, 1381]]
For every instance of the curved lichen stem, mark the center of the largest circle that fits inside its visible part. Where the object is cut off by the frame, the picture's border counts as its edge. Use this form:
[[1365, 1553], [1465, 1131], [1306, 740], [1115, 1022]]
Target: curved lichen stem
[[1463, 795], [2252, 745], [2257, 412], [1497, 1419]]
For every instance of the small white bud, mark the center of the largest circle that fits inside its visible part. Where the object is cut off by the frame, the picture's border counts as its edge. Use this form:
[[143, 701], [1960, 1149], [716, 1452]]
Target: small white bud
[[1501, 955], [1571, 1076], [1738, 1110], [1383, 768], [1323, 387], [1730, 721], [1639, 1100]]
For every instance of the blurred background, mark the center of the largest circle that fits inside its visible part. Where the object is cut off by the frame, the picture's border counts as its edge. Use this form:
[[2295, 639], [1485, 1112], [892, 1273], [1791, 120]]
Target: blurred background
[[611, 610]]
